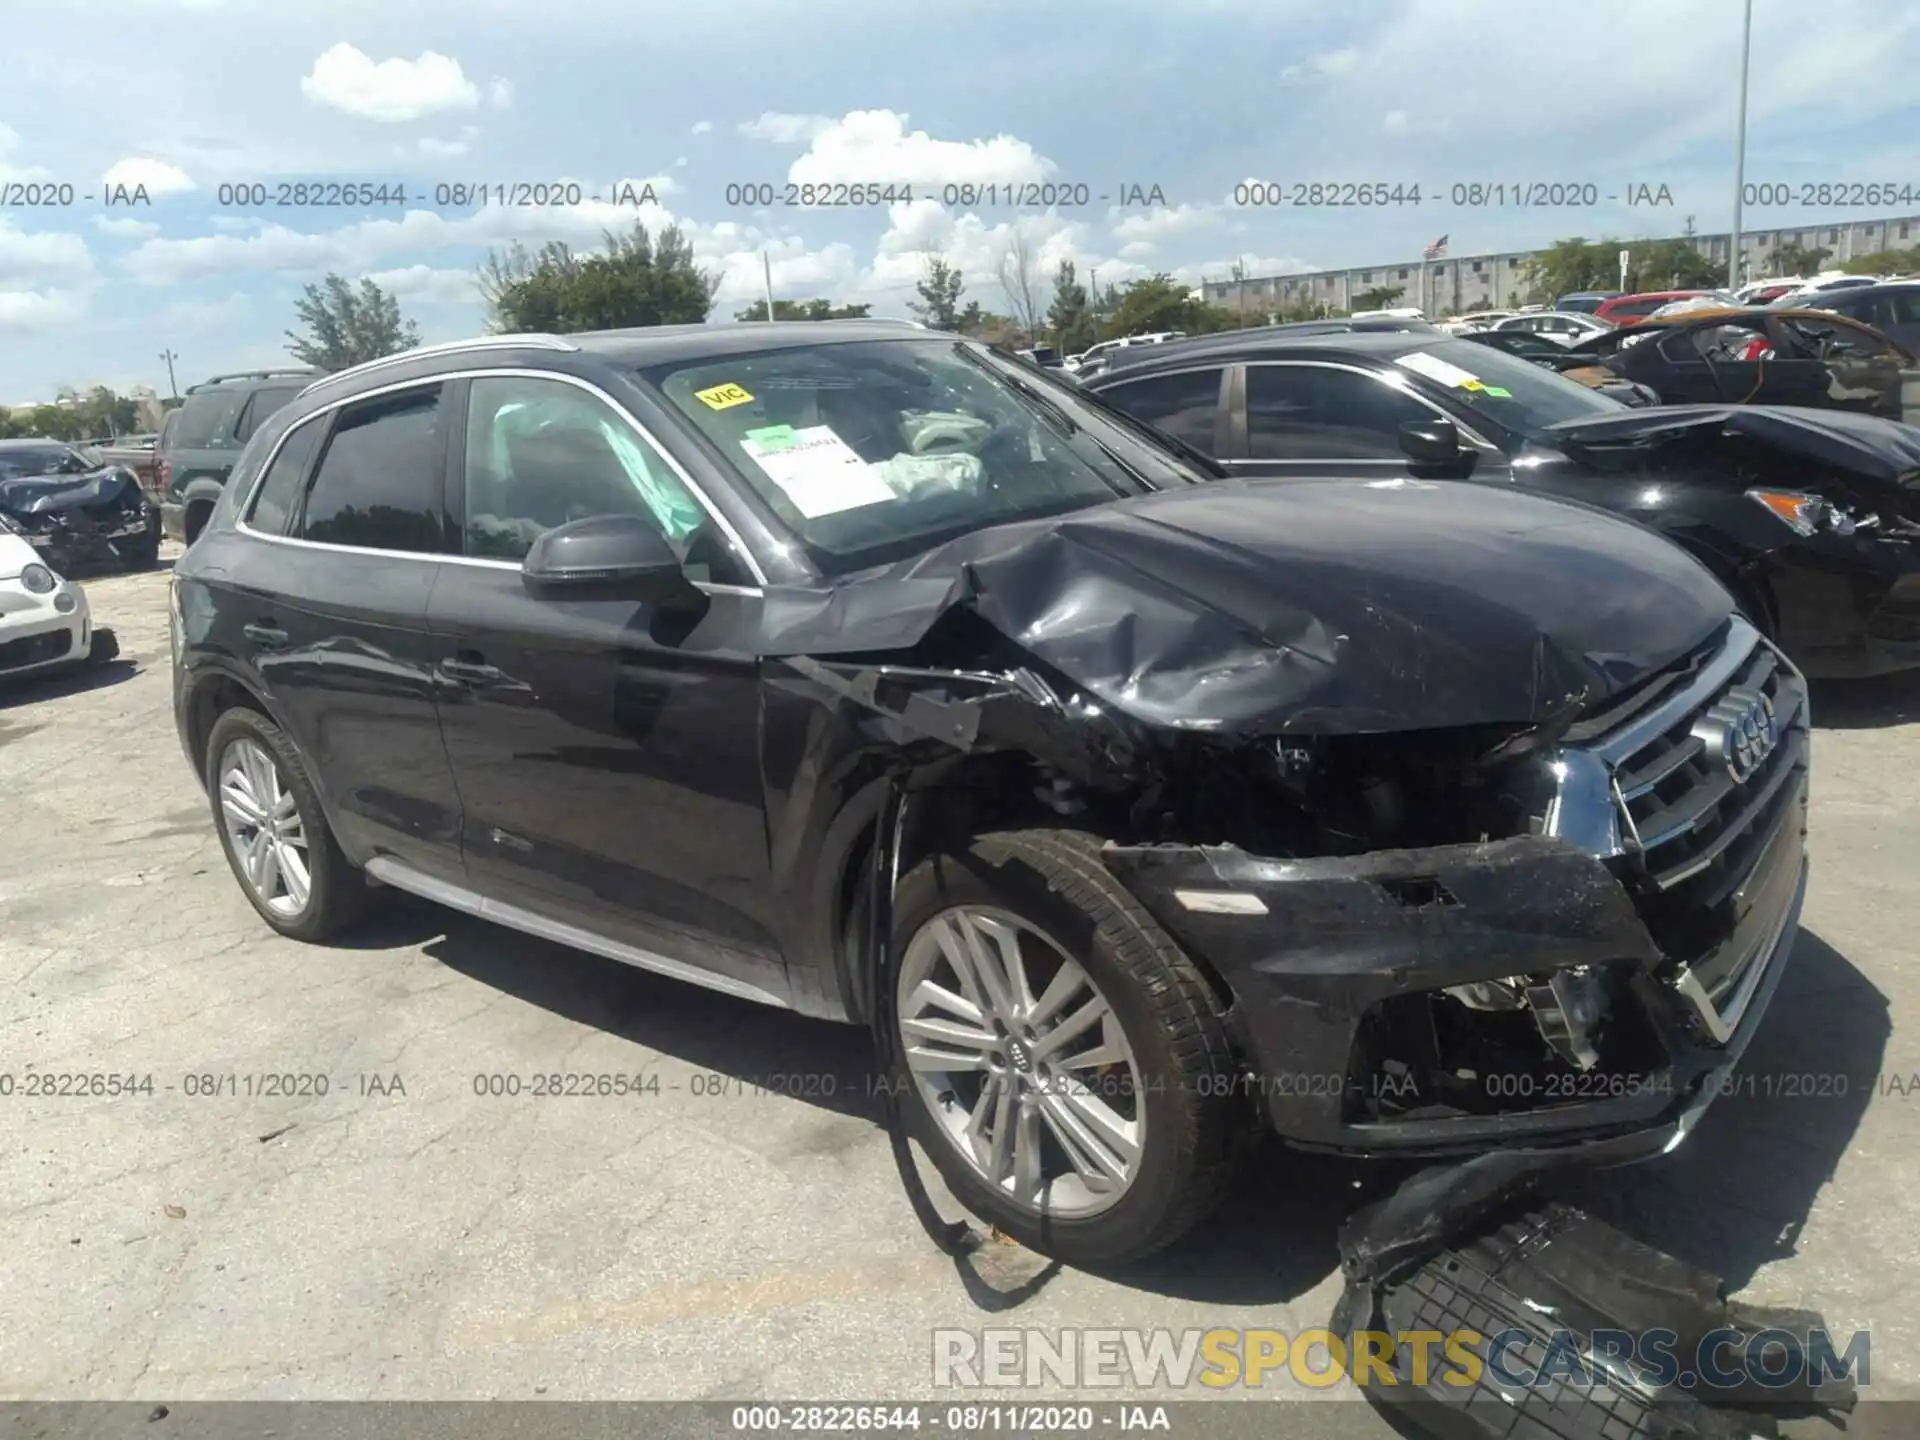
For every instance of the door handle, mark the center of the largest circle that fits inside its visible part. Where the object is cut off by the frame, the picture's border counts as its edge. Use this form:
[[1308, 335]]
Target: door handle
[[265, 636], [471, 672]]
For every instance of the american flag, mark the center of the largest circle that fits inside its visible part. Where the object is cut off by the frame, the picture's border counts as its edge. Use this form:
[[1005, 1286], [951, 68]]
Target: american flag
[[1436, 249]]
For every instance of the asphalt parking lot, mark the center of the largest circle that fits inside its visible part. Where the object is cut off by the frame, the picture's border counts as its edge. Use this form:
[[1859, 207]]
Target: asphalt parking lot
[[402, 1236]]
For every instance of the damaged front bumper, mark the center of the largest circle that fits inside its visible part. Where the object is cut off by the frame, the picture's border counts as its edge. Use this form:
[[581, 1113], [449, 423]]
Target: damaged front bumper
[[1317, 952]]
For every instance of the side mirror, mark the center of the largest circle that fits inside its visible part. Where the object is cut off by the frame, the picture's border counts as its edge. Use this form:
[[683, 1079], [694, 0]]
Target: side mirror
[[608, 557], [1431, 442]]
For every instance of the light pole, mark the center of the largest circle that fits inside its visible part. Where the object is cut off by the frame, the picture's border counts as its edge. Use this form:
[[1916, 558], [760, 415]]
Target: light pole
[[1740, 150], [172, 385]]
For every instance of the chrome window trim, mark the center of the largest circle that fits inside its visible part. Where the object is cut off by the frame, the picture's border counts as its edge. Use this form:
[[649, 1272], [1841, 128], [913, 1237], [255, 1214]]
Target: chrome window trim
[[1378, 378], [532, 340], [245, 507]]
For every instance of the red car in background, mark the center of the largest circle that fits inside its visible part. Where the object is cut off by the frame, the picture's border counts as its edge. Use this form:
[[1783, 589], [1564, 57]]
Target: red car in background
[[1632, 309]]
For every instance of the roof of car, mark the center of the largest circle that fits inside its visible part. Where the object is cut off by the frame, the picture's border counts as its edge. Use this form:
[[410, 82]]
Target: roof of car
[[1231, 343], [629, 349]]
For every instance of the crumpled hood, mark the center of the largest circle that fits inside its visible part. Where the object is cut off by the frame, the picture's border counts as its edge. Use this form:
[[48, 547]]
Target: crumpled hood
[[1301, 606], [1865, 446], [33, 494]]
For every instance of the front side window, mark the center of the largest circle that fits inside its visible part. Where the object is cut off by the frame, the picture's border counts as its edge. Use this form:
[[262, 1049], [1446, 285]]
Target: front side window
[[380, 482], [872, 450], [1307, 412], [280, 491], [1183, 405], [541, 453]]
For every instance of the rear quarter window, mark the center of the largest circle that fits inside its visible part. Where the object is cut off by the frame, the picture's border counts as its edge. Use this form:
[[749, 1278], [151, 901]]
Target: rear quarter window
[[206, 421]]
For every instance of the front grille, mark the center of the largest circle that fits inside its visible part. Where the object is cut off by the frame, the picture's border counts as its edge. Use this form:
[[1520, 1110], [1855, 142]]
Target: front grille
[[1698, 773], [35, 649]]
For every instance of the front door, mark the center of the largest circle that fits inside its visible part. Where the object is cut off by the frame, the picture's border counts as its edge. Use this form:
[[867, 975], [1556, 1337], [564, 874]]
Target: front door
[[608, 758], [1315, 419]]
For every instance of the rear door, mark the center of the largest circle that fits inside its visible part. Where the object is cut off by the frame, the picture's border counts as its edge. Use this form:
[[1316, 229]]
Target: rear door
[[331, 611], [1853, 368]]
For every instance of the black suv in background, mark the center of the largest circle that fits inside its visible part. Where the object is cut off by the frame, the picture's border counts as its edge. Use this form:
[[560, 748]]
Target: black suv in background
[[858, 669], [198, 444], [1811, 517]]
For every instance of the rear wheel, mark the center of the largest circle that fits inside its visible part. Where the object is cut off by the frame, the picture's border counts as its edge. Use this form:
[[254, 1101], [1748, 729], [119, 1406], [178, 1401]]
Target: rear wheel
[[275, 835], [1064, 1064]]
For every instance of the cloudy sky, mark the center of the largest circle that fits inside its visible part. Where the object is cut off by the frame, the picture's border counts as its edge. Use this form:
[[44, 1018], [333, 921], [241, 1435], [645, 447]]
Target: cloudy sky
[[193, 98]]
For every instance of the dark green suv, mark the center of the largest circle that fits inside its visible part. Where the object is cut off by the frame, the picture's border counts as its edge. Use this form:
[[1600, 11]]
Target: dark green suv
[[201, 439]]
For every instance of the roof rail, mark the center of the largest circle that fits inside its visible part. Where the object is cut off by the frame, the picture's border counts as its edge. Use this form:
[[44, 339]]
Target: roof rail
[[258, 375], [446, 347]]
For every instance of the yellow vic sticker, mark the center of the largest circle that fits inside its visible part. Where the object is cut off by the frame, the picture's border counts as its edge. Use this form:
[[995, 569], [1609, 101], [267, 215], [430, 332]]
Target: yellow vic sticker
[[722, 397]]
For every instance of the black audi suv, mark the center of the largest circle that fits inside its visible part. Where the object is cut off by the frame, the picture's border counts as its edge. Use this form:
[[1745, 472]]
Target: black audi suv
[[857, 669]]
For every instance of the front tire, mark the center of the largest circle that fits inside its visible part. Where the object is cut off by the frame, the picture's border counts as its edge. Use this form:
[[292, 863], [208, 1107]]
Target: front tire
[[1062, 1062], [275, 834]]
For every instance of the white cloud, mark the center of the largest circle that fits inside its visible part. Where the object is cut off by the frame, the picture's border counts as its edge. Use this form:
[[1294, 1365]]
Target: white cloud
[[702, 127], [199, 317], [41, 259], [1405, 122], [875, 145], [784, 129], [424, 284], [442, 148], [22, 311], [125, 226], [9, 142], [1162, 223], [157, 176], [350, 81], [234, 224], [1332, 63], [681, 163], [499, 93], [1137, 250]]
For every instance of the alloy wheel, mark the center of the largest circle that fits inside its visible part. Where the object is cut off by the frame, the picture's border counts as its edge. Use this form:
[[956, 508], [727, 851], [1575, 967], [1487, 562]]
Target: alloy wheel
[[264, 828], [1021, 1061]]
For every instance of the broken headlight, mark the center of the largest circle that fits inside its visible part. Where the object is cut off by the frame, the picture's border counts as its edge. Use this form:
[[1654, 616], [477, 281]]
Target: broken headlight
[[1567, 1006], [1809, 514]]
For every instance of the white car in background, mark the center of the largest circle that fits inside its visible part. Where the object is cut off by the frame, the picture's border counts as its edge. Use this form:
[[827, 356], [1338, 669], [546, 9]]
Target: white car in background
[[44, 620], [1469, 321], [1566, 327]]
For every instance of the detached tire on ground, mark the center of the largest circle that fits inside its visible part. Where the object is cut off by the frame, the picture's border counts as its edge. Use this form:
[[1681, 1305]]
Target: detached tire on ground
[[275, 835], [1063, 1063]]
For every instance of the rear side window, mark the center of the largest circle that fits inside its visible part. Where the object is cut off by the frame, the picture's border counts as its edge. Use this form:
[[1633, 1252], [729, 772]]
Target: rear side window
[[1638, 307], [1183, 405], [260, 409], [280, 491], [381, 481], [206, 421]]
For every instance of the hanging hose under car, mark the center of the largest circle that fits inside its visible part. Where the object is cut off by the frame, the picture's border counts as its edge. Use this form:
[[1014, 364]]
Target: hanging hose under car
[[953, 1237]]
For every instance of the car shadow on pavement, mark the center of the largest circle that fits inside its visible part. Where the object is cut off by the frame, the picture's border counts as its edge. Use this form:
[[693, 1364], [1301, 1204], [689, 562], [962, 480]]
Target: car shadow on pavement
[[97, 676], [1731, 1199], [1866, 704], [815, 1061]]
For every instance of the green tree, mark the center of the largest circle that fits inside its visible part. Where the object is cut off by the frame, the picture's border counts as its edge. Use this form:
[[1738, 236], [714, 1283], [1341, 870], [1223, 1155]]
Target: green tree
[[635, 281], [1070, 316], [1668, 265], [1379, 297], [1885, 262], [347, 325], [1156, 303], [939, 302], [1793, 258], [1571, 265], [804, 310]]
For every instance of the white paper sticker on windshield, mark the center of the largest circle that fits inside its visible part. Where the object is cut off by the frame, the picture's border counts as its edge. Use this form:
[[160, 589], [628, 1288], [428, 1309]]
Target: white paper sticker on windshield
[[1434, 368], [820, 473]]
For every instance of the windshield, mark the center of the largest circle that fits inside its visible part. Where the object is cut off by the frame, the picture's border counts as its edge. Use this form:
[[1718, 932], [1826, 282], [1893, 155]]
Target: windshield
[[870, 451], [18, 462], [1515, 394]]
